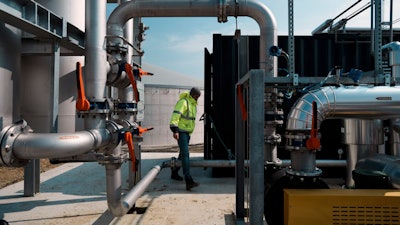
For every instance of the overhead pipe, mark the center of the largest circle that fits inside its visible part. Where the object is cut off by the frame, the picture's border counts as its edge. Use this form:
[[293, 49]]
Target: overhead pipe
[[202, 8]]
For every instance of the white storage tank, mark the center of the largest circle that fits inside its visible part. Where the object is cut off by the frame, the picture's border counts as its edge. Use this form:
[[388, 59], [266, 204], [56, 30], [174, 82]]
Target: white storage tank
[[161, 94], [37, 73]]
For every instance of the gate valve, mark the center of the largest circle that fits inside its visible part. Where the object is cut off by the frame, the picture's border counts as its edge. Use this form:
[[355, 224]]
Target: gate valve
[[82, 103], [129, 71], [129, 142], [313, 142], [139, 72]]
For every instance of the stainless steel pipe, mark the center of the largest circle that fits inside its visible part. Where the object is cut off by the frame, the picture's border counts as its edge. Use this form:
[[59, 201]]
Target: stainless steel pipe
[[95, 52], [202, 8], [116, 204], [57, 145]]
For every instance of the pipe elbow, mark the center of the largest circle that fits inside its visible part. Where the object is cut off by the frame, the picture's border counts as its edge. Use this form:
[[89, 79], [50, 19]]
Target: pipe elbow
[[300, 116]]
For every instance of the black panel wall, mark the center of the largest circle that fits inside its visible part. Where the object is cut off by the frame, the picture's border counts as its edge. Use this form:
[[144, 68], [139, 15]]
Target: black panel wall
[[314, 56]]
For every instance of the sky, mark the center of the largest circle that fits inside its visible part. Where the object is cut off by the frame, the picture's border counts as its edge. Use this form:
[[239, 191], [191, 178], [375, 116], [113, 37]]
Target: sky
[[178, 44]]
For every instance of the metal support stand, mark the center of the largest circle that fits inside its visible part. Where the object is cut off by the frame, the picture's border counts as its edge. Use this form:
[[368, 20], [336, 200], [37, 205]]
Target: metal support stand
[[254, 82], [32, 178], [291, 36], [378, 37], [32, 169]]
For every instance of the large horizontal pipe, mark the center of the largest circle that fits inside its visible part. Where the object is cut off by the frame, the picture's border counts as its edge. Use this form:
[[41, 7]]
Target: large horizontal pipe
[[362, 102], [57, 145]]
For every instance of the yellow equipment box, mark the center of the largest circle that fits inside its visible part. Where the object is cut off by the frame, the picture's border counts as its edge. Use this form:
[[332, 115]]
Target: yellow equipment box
[[341, 207]]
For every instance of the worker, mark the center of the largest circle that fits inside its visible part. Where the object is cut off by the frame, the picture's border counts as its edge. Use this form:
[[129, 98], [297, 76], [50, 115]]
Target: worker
[[182, 125]]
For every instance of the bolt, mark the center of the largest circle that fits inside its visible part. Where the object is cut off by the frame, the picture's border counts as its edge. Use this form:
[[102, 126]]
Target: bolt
[[7, 148]]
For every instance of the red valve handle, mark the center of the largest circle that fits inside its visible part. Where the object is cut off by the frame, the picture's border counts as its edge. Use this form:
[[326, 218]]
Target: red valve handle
[[82, 103], [129, 142], [313, 142], [241, 103], [129, 71]]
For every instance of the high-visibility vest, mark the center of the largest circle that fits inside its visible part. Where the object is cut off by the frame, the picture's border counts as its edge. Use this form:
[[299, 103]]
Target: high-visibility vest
[[184, 114]]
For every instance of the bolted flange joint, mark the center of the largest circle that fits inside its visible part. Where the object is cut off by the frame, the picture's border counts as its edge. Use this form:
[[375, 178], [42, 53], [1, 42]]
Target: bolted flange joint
[[7, 137]]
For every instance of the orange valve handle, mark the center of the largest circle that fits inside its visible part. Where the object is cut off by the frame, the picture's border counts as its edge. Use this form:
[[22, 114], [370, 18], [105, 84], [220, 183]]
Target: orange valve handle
[[313, 142], [82, 103], [241, 103], [143, 130], [141, 73], [129, 71], [129, 142]]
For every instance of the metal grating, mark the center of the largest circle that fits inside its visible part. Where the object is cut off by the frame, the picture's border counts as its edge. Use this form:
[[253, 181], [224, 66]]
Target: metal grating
[[365, 215]]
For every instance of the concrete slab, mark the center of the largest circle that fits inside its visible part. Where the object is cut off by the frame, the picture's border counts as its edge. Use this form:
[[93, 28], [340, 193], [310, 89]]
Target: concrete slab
[[74, 193]]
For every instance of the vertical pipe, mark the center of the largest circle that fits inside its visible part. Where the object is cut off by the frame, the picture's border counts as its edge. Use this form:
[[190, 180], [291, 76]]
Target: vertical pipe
[[391, 22], [126, 95], [55, 87], [363, 138], [256, 146], [96, 58], [114, 186]]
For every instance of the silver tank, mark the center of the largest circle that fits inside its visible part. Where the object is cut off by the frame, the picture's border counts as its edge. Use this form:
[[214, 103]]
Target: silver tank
[[37, 73]]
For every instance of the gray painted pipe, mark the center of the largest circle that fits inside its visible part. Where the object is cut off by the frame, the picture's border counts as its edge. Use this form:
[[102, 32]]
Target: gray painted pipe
[[366, 102], [58, 145], [201, 8]]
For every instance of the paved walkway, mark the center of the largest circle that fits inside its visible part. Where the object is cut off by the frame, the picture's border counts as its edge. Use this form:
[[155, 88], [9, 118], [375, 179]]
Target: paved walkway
[[74, 193]]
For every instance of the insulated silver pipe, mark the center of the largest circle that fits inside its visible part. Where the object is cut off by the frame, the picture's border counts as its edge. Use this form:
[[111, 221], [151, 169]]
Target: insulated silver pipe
[[57, 145], [366, 102], [202, 8]]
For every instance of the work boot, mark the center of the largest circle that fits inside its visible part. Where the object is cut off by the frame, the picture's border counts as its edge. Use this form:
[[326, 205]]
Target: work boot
[[175, 175], [191, 184]]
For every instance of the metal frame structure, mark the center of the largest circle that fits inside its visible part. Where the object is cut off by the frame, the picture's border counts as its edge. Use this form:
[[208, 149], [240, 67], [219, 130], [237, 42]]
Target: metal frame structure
[[102, 140]]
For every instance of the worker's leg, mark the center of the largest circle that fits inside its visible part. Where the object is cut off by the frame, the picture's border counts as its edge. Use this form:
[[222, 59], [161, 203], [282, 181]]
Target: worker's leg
[[183, 142]]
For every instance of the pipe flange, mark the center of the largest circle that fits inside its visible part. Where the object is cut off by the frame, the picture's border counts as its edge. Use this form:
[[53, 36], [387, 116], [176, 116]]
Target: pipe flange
[[273, 139], [7, 137], [114, 130], [296, 142], [126, 107], [316, 173], [97, 108]]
